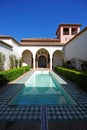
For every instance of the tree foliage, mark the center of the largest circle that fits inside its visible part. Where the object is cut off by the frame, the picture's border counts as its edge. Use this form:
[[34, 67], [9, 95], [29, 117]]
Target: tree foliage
[[2, 61]]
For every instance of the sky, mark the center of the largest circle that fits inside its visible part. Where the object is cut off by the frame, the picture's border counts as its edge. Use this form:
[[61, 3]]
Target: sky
[[39, 18]]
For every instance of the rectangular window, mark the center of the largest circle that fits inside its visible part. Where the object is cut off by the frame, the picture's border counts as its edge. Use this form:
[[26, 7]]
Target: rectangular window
[[74, 31], [65, 31]]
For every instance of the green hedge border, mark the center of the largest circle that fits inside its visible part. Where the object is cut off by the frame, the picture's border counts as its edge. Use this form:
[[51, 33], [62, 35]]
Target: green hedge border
[[77, 77], [9, 75]]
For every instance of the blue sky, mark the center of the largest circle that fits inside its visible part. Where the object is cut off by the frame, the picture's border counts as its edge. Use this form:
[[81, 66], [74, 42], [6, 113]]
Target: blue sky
[[39, 18]]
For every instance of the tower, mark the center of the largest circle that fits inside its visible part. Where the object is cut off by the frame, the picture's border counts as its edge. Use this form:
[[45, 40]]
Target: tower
[[65, 32]]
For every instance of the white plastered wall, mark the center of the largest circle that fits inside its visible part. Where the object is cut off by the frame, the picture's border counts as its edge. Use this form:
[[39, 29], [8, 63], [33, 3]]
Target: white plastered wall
[[77, 48], [34, 49], [6, 50], [15, 50]]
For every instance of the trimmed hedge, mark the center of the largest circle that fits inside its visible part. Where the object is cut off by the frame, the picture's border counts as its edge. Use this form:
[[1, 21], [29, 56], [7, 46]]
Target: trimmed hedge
[[9, 75], [79, 78]]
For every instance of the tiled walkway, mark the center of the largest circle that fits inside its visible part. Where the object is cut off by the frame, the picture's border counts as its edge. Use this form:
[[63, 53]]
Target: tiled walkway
[[34, 113], [17, 113]]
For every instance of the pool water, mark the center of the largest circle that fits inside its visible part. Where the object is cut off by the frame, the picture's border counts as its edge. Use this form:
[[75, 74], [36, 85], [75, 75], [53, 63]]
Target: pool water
[[42, 89]]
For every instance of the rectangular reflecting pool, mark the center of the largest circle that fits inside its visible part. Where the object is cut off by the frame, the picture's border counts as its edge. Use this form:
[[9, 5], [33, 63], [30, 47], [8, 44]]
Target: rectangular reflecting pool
[[42, 88]]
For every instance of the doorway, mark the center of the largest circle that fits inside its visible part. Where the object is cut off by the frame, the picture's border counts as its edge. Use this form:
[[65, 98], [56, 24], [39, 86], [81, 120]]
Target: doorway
[[42, 62]]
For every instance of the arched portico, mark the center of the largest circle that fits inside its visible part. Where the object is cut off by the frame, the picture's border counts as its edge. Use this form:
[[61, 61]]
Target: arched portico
[[27, 58], [33, 56], [57, 58]]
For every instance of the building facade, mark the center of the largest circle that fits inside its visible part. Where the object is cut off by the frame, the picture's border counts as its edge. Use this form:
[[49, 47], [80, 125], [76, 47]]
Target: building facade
[[47, 52]]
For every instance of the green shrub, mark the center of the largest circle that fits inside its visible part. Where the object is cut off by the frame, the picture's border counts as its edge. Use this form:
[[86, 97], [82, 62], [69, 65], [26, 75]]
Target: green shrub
[[2, 80], [9, 75], [20, 62], [78, 77], [12, 59]]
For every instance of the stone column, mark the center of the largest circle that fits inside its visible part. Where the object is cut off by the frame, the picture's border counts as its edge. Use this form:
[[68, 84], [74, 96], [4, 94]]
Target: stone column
[[33, 61], [51, 61]]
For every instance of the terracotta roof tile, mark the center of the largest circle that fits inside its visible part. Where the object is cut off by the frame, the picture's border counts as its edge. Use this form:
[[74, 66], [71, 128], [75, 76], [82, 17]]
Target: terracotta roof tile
[[40, 42]]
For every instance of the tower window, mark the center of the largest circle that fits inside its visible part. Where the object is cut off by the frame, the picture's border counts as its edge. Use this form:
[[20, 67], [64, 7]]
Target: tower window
[[74, 31], [65, 31]]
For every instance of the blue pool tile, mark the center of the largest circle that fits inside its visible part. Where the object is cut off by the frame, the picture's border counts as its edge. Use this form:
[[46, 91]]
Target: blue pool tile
[[59, 117]]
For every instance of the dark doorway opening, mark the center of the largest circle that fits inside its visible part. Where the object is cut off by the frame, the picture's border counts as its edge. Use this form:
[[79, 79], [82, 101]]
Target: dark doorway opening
[[42, 62]]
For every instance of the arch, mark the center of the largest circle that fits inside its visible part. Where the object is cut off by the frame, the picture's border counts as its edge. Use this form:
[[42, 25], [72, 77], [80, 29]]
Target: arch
[[27, 58], [42, 48], [58, 58], [42, 58]]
